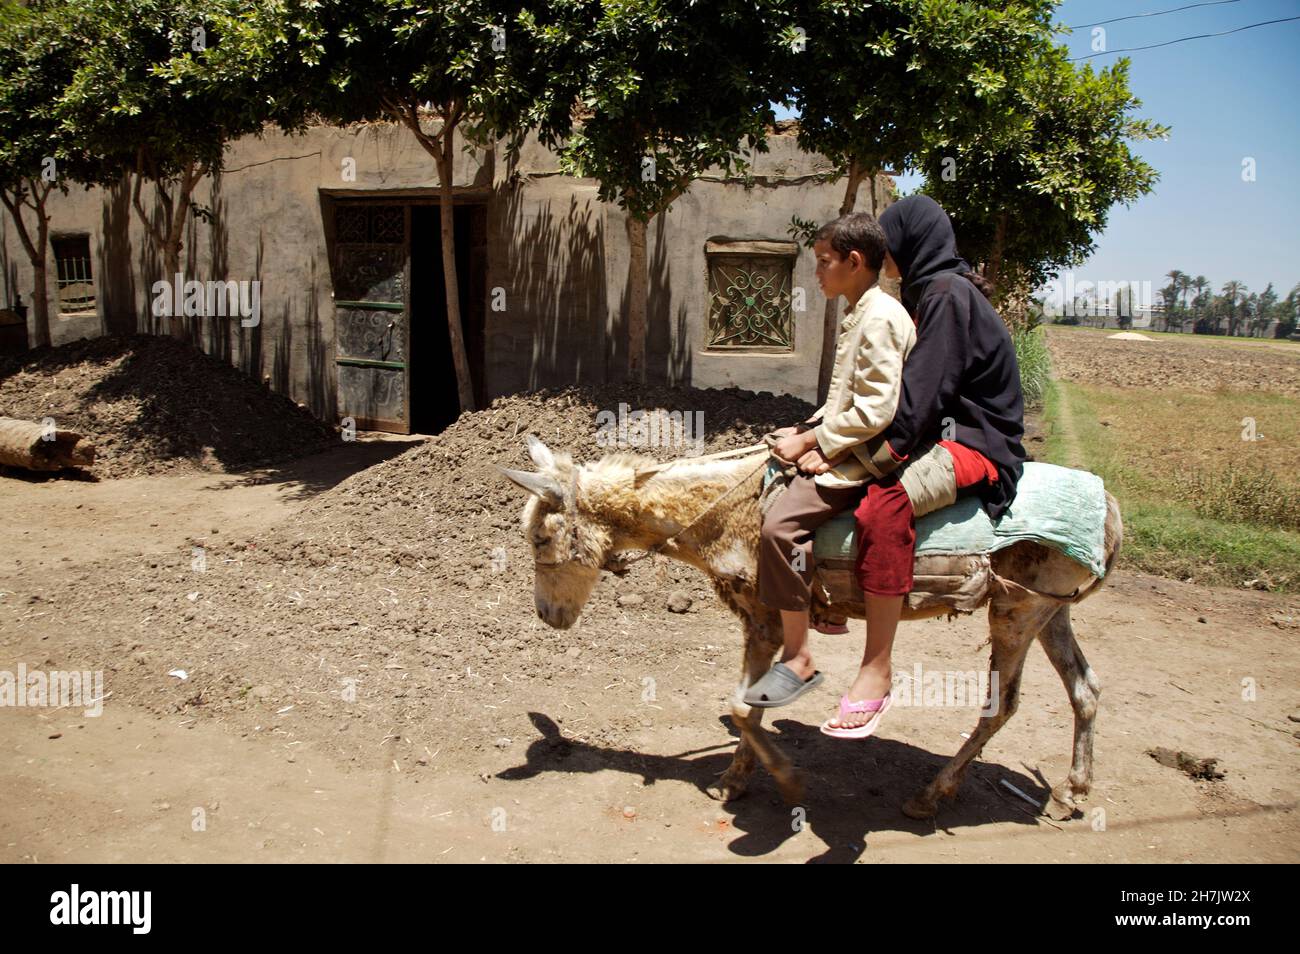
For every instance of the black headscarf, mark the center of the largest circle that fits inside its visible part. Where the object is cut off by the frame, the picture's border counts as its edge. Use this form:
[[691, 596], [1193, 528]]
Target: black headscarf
[[962, 371], [921, 240]]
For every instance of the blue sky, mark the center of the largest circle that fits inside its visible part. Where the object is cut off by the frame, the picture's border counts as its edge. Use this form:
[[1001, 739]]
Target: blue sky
[[1226, 98]]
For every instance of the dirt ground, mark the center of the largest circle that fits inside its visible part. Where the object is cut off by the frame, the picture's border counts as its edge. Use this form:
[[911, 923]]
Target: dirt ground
[[1201, 363], [366, 681]]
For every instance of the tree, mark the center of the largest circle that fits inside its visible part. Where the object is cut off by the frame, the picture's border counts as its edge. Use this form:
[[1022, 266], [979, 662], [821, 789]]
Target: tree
[[143, 99], [1031, 195], [665, 91], [1170, 295], [440, 70], [883, 85], [1202, 299], [38, 56], [1265, 311], [1233, 292], [1289, 315]]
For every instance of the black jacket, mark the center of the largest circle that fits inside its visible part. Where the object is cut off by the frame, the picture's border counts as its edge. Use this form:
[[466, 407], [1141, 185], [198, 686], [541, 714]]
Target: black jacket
[[963, 365]]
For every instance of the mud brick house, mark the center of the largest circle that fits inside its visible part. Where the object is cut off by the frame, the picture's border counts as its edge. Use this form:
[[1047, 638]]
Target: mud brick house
[[340, 230]]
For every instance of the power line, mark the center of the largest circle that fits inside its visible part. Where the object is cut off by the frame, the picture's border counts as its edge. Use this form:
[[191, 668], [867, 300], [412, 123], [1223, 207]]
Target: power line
[[1184, 39], [1158, 13]]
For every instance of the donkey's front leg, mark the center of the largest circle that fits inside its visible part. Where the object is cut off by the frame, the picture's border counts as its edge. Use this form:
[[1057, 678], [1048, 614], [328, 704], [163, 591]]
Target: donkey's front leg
[[761, 645]]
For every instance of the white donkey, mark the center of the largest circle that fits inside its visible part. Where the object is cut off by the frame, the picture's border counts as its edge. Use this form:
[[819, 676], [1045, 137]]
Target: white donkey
[[706, 513]]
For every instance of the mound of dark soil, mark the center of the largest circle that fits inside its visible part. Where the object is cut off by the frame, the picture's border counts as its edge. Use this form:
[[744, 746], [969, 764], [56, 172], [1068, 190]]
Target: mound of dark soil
[[154, 404]]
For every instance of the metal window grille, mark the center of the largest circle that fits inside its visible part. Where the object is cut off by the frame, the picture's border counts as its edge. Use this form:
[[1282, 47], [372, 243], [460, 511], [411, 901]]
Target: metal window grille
[[749, 302], [76, 282]]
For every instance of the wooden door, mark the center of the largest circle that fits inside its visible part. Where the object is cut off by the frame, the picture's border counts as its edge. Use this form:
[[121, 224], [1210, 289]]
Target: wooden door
[[372, 315]]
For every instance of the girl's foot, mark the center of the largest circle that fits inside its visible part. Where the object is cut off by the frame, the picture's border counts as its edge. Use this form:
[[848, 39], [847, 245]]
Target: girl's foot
[[868, 685]]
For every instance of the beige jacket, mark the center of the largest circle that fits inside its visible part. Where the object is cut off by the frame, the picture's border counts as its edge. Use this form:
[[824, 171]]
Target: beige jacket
[[876, 336]]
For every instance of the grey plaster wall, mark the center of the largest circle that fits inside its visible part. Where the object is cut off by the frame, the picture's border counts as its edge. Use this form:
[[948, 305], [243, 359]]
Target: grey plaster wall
[[557, 261]]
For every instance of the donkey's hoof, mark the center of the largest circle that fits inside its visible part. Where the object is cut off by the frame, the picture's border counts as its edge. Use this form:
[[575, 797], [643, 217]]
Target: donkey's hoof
[[1060, 807], [727, 789], [920, 807]]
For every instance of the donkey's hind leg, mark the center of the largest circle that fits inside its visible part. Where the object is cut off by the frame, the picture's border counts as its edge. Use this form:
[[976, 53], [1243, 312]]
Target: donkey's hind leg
[[1084, 688], [1013, 623], [762, 641]]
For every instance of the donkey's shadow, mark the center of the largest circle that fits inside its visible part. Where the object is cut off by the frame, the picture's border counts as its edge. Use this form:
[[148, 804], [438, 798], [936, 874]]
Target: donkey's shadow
[[852, 789]]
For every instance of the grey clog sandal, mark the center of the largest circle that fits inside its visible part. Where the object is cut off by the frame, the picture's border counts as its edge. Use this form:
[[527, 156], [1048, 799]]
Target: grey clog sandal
[[779, 686]]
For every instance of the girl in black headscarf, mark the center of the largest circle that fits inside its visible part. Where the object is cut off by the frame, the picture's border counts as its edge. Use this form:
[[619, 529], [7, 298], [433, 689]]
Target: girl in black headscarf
[[957, 431]]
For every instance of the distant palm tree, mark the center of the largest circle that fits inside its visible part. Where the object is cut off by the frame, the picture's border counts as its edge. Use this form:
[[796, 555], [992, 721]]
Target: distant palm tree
[[1233, 292], [1199, 303], [1203, 300], [1291, 312], [1170, 293]]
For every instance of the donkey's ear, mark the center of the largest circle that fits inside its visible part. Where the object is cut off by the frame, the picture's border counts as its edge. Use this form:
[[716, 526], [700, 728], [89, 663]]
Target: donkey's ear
[[540, 453], [547, 488]]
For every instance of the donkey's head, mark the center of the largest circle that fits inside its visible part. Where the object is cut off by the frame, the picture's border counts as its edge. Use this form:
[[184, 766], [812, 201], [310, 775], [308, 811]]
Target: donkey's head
[[569, 548]]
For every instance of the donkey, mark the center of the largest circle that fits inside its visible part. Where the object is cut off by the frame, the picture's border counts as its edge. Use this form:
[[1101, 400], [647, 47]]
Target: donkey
[[580, 518]]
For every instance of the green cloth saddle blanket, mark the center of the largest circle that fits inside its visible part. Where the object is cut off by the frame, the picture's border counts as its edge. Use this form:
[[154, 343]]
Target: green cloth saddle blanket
[[1056, 506]]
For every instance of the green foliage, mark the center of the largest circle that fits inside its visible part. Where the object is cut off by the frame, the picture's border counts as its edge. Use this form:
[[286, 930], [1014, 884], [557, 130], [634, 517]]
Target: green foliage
[[882, 84], [39, 53], [664, 91], [1034, 361], [1239, 494], [137, 96], [1029, 196], [342, 62]]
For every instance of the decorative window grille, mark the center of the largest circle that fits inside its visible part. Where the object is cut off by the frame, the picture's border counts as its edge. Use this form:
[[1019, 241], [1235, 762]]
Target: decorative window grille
[[76, 283], [750, 295]]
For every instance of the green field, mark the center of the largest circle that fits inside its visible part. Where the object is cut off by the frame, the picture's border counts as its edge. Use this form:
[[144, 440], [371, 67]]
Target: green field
[[1199, 502]]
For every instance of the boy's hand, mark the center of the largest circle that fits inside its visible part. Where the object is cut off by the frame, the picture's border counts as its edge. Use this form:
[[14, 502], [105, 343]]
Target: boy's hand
[[814, 462], [791, 447], [793, 429]]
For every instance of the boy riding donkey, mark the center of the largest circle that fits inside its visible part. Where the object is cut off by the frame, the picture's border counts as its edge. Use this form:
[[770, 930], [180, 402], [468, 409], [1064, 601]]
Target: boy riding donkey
[[915, 415]]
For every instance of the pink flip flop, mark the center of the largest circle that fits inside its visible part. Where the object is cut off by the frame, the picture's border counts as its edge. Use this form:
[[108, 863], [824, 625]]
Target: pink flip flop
[[878, 706]]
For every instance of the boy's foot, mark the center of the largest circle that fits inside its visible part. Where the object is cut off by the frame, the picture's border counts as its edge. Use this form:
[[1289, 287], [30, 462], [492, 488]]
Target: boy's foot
[[802, 666], [865, 687], [783, 684]]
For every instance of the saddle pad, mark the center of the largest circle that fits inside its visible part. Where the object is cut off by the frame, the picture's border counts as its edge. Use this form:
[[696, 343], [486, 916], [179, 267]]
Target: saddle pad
[[1059, 507]]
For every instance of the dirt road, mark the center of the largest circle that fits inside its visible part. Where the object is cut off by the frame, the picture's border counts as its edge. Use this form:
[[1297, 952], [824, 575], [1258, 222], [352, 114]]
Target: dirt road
[[581, 764]]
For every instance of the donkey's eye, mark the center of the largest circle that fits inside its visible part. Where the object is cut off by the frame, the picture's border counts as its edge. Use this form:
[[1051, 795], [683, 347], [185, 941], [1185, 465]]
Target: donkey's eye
[[541, 541]]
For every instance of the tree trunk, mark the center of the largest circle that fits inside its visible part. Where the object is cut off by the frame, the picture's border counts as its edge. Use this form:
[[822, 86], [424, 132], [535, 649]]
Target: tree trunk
[[35, 251], [441, 146], [40, 304], [167, 241], [831, 316], [994, 264], [638, 293], [455, 330], [174, 240]]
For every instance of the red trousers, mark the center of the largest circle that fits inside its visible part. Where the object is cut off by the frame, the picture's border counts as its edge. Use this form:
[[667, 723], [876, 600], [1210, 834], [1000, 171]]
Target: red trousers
[[887, 526]]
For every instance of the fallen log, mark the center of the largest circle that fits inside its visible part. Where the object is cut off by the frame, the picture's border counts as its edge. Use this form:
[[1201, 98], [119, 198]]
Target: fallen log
[[41, 447]]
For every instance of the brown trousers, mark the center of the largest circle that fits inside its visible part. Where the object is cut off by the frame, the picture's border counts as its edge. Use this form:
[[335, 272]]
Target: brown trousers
[[785, 549]]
